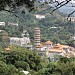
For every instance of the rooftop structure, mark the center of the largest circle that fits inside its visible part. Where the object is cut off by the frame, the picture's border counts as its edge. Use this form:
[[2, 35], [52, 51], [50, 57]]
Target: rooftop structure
[[48, 42], [39, 46], [7, 49], [50, 49]]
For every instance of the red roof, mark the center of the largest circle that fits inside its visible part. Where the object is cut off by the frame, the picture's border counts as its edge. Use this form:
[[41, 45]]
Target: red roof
[[61, 46], [39, 46], [56, 50], [48, 42], [7, 49]]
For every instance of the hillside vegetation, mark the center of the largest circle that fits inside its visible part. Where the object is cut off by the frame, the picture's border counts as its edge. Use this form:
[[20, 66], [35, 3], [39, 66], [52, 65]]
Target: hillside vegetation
[[60, 34], [18, 59]]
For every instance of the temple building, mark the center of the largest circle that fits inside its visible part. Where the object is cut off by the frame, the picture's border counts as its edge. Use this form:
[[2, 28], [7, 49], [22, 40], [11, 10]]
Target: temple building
[[49, 49], [37, 36]]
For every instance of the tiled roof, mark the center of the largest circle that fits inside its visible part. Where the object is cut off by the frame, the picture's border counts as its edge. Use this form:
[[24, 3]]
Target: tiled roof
[[7, 49], [61, 46], [48, 42], [65, 46], [58, 46], [56, 50], [39, 46]]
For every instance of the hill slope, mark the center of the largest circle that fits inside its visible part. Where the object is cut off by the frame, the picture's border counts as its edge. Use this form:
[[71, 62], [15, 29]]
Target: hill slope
[[52, 27]]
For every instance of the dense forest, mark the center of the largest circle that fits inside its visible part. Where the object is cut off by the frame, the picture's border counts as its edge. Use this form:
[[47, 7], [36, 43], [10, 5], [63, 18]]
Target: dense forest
[[18, 59]]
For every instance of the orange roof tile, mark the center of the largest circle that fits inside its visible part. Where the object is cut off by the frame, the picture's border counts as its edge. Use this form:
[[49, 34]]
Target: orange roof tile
[[65, 46], [61, 46], [58, 46], [48, 42], [39, 46], [7, 49], [55, 50]]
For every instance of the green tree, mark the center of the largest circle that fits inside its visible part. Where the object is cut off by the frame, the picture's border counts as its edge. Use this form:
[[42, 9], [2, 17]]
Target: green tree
[[23, 65], [8, 69]]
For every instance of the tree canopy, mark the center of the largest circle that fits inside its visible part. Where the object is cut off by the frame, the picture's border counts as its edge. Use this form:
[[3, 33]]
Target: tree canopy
[[12, 4]]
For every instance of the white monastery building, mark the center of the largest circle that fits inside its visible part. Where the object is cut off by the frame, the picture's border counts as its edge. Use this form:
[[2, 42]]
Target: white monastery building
[[2, 23], [39, 16], [20, 41], [12, 24]]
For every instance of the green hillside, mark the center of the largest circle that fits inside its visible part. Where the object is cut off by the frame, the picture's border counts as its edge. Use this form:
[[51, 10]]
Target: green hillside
[[52, 27]]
